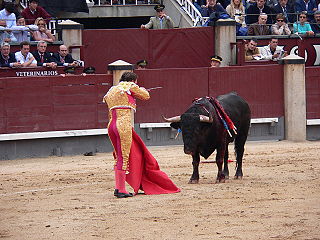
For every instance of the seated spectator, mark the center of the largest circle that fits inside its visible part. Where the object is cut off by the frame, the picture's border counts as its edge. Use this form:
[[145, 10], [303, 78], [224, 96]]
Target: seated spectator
[[6, 34], [308, 6], [273, 51], [259, 28], [215, 61], [63, 58], [251, 51], [214, 10], [142, 64], [15, 4], [8, 15], [24, 56], [255, 10], [302, 26], [33, 12], [43, 33], [21, 31], [237, 12], [316, 23], [8, 59], [280, 27], [44, 58], [286, 9], [160, 21]]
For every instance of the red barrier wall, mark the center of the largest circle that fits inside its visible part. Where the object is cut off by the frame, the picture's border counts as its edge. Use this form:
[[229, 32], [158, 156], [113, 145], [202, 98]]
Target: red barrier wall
[[260, 86], [75, 102], [167, 48], [53, 103], [313, 92]]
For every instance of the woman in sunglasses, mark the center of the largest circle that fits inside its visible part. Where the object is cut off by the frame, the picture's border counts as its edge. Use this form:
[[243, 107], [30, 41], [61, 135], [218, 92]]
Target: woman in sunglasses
[[43, 33], [302, 26], [280, 27]]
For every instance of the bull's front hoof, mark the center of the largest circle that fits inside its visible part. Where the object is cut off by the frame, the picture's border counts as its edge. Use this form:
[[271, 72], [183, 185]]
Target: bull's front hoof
[[221, 180], [237, 177], [193, 181]]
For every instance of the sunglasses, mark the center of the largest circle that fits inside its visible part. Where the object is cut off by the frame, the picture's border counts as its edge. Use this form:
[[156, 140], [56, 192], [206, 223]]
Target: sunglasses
[[302, 17], [280, 20]]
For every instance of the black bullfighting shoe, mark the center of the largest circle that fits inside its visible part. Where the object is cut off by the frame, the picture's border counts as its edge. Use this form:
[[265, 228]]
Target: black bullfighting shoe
[[123, 195]]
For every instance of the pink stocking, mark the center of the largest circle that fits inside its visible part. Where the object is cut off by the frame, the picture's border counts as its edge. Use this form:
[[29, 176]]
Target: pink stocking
[[120, 177]]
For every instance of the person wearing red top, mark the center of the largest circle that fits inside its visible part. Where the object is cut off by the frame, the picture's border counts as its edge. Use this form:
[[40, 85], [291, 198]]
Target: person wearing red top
[[33, 12]]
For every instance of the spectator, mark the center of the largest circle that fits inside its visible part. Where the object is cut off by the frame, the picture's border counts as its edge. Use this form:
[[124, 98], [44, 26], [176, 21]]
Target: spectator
[[8, 59], [236, 11], [273, 51], [255, 10], [308, 6], [302, 26], [33, 12], [142, 64], [316, 22], [259, 28], [8, 15], [15, 4], [286, 9], [251, 51], [24, 56], [43, 33], [6, 34], [160, 21], [215, 61], [63, 58], [44, 58], [21, 31], [214, 10], [280, 27]]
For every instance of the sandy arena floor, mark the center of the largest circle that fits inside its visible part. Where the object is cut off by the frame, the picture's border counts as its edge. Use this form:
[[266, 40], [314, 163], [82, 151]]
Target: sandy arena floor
[[72, 198]]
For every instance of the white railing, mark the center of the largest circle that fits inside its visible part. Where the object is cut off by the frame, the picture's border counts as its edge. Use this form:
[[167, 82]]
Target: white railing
[[192, 12]]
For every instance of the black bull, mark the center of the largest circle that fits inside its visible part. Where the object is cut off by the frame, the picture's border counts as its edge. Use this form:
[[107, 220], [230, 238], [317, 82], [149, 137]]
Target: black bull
[[203, 132]]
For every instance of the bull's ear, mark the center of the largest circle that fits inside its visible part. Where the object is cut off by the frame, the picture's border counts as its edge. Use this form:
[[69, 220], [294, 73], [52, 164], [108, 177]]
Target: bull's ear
[[175, 125]]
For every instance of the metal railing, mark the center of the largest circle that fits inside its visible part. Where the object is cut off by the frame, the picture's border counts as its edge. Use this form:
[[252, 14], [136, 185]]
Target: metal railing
[[192, 12]]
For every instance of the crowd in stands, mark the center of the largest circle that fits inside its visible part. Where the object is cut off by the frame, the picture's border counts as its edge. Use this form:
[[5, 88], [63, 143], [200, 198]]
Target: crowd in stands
[[265, 17], [40, 57], [28, 25]]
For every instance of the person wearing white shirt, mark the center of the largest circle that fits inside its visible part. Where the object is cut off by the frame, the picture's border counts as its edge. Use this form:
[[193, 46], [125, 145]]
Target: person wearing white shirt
[[6, 34], [8, 15], [273, 51], [24, 56], [21, 31]]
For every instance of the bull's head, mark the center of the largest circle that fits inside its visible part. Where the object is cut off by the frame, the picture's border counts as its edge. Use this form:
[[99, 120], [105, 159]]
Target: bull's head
[[192, 126]]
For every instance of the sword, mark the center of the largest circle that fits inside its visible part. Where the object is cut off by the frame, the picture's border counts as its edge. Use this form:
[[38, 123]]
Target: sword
[[149, 89]]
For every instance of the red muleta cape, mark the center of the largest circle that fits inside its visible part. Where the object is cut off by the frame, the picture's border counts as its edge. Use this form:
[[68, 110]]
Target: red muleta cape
[[145, 173]]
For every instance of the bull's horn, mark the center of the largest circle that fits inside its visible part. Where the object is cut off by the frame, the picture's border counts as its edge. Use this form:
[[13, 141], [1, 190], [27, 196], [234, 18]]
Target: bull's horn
[[206, 119], [173, 119]]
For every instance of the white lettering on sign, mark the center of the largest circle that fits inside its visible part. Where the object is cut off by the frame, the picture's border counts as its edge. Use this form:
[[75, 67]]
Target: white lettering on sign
[[36, 73]]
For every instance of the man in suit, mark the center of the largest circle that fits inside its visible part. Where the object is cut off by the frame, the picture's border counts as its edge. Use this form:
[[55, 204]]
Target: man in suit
[[255, 9], [160, 21], [259, 28], [315, 24], [286, 9], [310, 6], [44, 59], [8, 59], [63, 58]]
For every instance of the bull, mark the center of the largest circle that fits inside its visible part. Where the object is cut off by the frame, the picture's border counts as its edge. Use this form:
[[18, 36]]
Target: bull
[[203, 132]]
